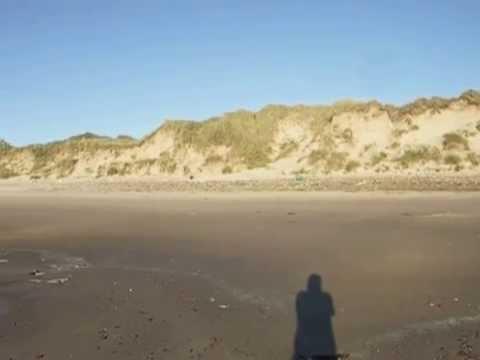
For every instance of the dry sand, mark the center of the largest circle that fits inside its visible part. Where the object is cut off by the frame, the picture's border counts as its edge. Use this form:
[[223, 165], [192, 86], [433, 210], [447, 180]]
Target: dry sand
[[215, 276]]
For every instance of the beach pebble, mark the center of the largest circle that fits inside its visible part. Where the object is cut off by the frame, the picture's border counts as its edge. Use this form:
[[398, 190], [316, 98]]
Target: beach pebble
[[59, 281], [37, 273]]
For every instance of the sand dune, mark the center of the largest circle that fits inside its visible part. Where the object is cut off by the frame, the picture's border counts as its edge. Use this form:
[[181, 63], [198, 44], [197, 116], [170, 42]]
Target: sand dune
[[428, 136]]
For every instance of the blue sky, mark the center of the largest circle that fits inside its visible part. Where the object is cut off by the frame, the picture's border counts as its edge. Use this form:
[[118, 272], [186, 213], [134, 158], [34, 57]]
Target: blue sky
[[122, 67]]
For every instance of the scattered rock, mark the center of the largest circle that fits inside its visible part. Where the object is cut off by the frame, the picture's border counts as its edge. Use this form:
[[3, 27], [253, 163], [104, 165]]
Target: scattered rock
[[432, 305], [59, 281], [103, 334], [36, 273], [3, 261], [223, 307]]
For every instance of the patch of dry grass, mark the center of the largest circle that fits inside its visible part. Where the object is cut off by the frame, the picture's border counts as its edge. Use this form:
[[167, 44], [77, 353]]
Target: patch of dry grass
[[65, 167], [6, 172], [227, 169], [213, 159], [328, 160], [4, 146], [352, 165], [167, 163], [452, 159], [454, 141], [473, 158], [421, 154], [317, 155], [347, 136], [248, 135], [286, 149], [378, 158]]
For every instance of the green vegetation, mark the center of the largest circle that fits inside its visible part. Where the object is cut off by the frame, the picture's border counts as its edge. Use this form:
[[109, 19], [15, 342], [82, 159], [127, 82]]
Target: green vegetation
[[227, 170], [320, 117], [145, 163], [248, 135], [473, 158], [42, 154], [336, 161], [88, 136], [452, 159], [472, 97], [113, 170], [317, 155], [454, 141], [213, 159], [352, 165], [367, 148], [167, 163], [286, 149], [330, 160], [6, 173], [50, 153], [468, 133], [299, 173], [248, 140], [128, 168], [378, 158], [126, 138], [119, 168], [347, 136], [422, 154], [399, 132], [66, 167], [435, 105], [5, 145]]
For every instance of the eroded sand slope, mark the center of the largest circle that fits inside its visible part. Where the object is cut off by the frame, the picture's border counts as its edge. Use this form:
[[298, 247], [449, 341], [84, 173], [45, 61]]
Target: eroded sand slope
[[428, 136]]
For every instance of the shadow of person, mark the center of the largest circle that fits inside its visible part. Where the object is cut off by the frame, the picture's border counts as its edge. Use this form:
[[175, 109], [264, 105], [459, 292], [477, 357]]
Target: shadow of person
[[314, 337]]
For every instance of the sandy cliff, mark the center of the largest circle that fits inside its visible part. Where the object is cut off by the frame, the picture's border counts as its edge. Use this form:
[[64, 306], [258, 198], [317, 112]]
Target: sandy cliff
[[427, 136]]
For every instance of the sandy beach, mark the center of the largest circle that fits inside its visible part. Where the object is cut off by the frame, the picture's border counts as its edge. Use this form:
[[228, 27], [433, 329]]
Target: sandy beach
[[222, 276]]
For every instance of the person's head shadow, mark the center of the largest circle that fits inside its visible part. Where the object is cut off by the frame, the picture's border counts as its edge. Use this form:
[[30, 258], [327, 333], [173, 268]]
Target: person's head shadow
[[314, 337]]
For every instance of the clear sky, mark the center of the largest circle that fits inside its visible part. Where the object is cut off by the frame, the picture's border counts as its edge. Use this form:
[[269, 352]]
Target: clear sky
[[118, 66]]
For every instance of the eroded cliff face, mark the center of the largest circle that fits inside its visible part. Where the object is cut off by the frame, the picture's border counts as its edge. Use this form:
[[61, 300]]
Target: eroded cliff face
[[429, 135]]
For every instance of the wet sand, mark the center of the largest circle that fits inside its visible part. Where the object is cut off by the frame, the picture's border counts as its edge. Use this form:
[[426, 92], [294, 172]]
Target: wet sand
[[216, 276]]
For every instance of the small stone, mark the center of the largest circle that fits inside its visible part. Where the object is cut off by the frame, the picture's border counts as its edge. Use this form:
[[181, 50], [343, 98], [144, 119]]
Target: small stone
[[59, 281], [36, 273]]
